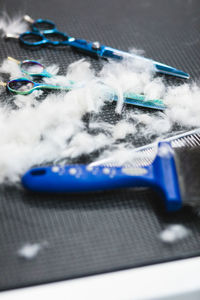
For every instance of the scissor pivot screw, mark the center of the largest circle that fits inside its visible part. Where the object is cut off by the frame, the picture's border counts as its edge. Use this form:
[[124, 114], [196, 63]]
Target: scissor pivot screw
[[96, 46]]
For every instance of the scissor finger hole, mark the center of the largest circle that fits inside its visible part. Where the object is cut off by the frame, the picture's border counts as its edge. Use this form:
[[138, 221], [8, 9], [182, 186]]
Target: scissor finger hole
[[20, 85], [31, 38], [32, 67], [43, 25], [56, 37]]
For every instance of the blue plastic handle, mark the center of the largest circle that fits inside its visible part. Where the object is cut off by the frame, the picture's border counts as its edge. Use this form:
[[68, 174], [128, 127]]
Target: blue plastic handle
[[160, 175]]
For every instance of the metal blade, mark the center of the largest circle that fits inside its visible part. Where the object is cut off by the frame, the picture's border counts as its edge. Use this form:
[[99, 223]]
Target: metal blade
[[109, 52]]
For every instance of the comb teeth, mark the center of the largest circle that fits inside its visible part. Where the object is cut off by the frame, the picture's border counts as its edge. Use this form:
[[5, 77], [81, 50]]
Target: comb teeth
[[145, 155], [192, 140], [189, 141]]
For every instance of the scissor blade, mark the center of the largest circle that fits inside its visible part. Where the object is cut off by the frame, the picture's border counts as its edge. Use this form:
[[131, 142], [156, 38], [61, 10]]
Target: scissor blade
[[165, 69], [109, 52], [140, 101]]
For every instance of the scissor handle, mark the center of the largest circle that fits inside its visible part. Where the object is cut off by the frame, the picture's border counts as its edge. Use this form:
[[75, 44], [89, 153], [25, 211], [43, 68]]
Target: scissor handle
[[31, 38], [21, 86], [43, 26], [55, 38]]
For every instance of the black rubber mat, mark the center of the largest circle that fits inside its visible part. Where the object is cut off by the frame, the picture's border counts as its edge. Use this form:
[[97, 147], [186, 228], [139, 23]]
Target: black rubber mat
[[102, 232]]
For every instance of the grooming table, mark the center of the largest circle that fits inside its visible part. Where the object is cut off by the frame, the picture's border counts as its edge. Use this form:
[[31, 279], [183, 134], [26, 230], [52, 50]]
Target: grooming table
[[108, 231]]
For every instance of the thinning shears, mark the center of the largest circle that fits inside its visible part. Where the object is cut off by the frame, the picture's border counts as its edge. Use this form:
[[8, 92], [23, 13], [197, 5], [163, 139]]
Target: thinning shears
[[44, 32], [24, 86]]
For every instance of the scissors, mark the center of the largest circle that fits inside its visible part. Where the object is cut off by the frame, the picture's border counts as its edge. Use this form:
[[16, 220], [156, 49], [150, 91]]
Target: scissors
[[24, 86], [44, 32]]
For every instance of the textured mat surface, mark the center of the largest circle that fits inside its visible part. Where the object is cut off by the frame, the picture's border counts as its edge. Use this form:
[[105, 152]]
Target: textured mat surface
[[85, 235]]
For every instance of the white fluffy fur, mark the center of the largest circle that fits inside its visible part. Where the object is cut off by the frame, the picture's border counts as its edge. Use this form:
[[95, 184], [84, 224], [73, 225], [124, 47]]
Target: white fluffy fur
[[174, 233], [11, 67], [53, 129], [13, 25], [30, 251]]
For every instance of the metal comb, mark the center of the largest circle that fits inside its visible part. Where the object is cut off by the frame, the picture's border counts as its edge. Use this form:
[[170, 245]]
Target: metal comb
[[144, 155]]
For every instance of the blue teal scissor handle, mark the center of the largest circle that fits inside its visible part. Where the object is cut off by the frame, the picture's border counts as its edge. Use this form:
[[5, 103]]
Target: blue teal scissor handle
[[42, 31], [35, 38]]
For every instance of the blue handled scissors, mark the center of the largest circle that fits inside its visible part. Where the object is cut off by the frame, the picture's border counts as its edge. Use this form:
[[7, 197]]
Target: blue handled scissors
[[44, 32]]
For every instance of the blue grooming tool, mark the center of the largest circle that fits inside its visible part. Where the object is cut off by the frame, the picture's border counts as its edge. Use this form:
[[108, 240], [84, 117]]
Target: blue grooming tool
[[161, 175]]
